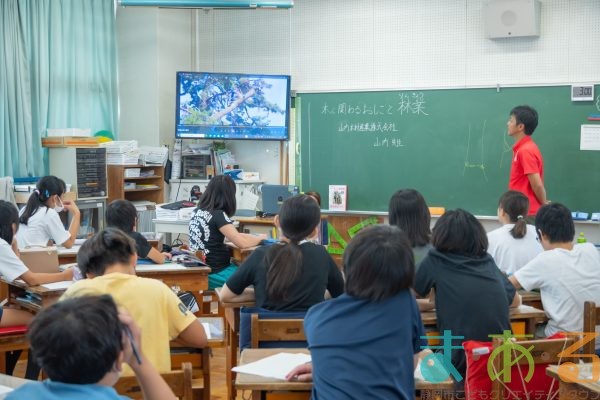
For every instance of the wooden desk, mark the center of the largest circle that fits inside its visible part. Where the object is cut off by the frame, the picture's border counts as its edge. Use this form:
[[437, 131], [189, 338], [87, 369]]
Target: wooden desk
[[262, 384], [574, 390], [533, 299], [232, 321], [12, 382], [531, 316], [238, 254], [193, 279], [17, 289], [67, 256]]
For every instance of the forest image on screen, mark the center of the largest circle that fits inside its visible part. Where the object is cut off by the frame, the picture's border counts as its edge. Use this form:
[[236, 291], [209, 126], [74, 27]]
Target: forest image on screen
[[232, 106]]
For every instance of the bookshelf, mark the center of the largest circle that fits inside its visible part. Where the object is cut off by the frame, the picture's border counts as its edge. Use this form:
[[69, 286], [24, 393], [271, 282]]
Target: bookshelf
[[148, 186]]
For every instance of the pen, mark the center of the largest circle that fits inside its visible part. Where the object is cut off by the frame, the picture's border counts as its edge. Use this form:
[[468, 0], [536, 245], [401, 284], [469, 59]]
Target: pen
[[132, 343]]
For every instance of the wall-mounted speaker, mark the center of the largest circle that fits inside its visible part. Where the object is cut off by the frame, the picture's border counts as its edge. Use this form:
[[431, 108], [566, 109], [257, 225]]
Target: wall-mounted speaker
[[512, 18]]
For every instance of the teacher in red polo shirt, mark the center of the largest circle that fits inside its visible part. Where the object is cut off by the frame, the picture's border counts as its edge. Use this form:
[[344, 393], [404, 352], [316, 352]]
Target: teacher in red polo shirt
[[527, 167]]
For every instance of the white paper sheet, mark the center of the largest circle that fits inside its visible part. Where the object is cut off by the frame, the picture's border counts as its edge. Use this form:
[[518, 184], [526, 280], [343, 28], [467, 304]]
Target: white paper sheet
[[58, 285], [5, 389], [590, 137], [159, 267], [276, 366], [206, 327]]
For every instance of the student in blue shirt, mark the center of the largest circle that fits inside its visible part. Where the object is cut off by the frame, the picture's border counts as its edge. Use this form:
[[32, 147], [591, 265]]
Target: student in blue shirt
[[80, 343], [369, 335]]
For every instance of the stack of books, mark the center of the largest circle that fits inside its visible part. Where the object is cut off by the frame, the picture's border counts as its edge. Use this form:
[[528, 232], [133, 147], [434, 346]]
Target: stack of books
[[122, 152]]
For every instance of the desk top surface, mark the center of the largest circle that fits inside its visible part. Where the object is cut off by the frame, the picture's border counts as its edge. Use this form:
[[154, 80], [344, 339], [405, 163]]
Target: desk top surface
[[592, 386], [254, 382], [233, 304], [430, 317]]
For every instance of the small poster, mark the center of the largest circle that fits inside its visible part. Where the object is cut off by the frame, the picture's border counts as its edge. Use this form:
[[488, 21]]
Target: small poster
[[338, 197], [590, 137]]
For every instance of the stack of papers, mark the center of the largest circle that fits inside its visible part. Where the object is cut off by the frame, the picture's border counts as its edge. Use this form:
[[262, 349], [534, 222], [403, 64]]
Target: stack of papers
[[122, 152], [276, 366], [183, 214], [153, 155]]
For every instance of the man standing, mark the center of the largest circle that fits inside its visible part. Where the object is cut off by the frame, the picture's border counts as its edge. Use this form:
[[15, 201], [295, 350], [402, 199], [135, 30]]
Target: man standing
[[527, 168]]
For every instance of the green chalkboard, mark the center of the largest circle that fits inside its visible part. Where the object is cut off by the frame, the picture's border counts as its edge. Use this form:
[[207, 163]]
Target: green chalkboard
[[449, 144]]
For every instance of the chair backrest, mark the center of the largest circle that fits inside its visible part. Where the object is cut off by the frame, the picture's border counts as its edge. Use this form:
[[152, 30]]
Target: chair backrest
[[542, 351], [277, 330], [179, 381], [591, 318], [246, 327]]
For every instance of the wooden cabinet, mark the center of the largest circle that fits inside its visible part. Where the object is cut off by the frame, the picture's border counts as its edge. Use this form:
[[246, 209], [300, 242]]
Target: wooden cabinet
[[124, 182]]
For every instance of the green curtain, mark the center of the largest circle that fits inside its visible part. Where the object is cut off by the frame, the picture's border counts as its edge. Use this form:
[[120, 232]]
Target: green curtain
[[58, 69]]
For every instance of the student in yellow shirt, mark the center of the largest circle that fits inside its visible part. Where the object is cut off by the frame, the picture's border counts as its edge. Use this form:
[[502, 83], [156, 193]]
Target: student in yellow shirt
[[108, 261]]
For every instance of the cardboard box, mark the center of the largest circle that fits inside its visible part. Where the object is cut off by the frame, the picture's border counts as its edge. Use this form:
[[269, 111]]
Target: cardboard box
[[69, 141]]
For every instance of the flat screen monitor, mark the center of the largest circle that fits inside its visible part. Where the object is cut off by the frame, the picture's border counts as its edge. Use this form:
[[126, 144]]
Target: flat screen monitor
[[232, 106]]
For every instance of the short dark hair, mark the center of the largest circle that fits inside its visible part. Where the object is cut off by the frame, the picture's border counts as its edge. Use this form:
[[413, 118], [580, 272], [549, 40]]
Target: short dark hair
[[378, 263], [106, 248], [77, 340], [298, 217], [527, 116], [121, 214], [459, 232], [46, 187], [8, 216], [219, 195], [516, 205], [409, 212], [314, 195], [556, 222]]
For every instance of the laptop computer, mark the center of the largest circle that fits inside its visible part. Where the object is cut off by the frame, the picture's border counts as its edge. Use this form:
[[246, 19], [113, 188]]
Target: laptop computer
[[274, 195], [40, 259]]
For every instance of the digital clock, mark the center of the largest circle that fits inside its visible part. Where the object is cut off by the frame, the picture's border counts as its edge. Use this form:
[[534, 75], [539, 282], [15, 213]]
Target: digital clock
[[582, 92]]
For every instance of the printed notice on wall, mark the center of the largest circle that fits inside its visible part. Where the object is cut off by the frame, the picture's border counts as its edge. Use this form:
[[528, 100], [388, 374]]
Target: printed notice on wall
[[590, 137]]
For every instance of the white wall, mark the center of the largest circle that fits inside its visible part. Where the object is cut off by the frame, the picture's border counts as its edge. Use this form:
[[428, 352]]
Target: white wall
[[379, 44], [341, 45]]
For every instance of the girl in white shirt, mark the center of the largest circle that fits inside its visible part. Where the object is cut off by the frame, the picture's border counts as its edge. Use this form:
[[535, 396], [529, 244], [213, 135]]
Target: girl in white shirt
[[39, 220], [514, 244], [11, 267]]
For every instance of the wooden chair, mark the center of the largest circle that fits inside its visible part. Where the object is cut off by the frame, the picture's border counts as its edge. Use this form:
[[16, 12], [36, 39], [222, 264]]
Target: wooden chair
[[543, 352], [199, 361], [276, 330], [12, 338], [179, 381], [591, 318]]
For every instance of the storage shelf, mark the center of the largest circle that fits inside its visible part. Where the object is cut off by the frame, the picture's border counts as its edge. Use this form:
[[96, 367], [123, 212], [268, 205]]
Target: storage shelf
[[142, 190], [139, 178], [117, 180]]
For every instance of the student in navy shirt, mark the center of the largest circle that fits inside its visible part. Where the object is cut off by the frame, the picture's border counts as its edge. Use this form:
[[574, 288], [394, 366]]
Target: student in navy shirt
[[363, 343]]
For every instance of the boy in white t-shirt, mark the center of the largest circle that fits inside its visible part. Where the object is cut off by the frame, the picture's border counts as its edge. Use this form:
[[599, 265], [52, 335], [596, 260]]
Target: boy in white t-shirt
[[567, 275]]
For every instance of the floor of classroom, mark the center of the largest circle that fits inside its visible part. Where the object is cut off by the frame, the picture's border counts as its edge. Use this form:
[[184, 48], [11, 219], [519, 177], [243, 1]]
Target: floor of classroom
[[217, 375]]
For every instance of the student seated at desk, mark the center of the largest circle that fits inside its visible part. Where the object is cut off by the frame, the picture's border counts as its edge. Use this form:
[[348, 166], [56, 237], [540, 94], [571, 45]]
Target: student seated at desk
[[81, 344], [12, 268], [472, 295], [39, 219], [291, 275], [108, 261], [363, 343], [409, 212], [514, 244], [211, 223], [123, 215], [567, 275]]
